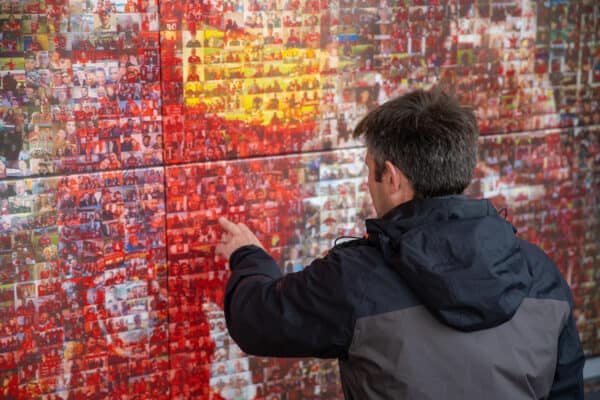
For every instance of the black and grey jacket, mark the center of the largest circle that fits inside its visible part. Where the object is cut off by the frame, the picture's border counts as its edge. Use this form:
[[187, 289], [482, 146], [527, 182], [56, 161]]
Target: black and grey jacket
[[442, 301]]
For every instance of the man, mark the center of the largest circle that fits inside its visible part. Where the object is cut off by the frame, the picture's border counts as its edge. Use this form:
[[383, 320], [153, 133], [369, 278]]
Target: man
[[440, 300], [100, 77], [113, 75]]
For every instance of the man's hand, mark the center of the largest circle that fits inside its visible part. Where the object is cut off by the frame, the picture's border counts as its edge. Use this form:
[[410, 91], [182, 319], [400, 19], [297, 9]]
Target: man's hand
[[234, 236]]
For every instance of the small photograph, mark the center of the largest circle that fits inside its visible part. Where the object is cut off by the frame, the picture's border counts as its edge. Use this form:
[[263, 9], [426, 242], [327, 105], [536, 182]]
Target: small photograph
[[11, 44], [35, 43], [12, 64], [45, 244], [104, 22], [83, 23], [11, 23], [130, 23]]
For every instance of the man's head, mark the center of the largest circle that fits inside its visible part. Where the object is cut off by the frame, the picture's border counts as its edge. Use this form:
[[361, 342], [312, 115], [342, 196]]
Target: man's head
[[114, 74], [419, 145], [100, 76], [90, 79]]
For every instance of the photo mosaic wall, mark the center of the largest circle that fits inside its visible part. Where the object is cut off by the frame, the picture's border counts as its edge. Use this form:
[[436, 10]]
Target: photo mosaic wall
[[128, 127]]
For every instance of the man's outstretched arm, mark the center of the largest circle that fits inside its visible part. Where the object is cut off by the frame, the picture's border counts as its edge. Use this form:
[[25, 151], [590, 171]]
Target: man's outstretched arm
[[303, 314]]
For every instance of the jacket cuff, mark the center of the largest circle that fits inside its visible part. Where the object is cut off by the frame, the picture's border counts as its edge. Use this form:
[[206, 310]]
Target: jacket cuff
[[248, 261], [240, 253], [252, 260]]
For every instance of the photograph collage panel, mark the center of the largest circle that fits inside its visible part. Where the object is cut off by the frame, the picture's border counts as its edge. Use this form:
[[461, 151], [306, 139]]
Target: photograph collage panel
[[83, 286], [80, 86]]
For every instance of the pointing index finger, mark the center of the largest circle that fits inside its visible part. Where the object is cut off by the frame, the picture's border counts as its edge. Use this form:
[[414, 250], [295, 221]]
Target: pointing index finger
[[229, 226], [243, 228]]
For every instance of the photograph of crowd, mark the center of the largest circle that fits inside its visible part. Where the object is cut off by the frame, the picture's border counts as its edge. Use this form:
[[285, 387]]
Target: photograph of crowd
[[128, 127], [80, 86], [83, 286]]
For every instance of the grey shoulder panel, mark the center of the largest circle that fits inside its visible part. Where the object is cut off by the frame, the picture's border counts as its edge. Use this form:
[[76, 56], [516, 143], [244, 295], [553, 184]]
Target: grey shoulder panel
[[409, 354]]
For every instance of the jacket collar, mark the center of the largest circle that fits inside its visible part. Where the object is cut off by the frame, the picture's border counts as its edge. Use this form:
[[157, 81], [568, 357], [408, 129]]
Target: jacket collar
[[418, 212]]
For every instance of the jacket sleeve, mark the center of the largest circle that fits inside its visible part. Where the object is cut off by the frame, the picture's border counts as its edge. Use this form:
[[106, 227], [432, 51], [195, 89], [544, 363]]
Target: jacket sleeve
[[303, 314], [568, 378]]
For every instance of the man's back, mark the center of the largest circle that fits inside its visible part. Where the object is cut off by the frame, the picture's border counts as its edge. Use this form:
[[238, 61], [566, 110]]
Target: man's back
[[501, 307]]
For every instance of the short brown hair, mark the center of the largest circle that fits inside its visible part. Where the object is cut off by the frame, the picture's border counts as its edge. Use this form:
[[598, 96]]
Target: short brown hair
[[429, 136]]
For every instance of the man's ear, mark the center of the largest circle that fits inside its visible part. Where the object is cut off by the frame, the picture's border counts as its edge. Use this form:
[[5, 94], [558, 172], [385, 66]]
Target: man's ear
[[393, 177], [399, 186]]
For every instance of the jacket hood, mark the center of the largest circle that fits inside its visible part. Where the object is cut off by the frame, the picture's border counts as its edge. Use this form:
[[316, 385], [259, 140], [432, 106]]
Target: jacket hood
[[459, 256]]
